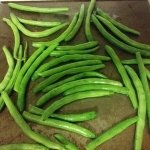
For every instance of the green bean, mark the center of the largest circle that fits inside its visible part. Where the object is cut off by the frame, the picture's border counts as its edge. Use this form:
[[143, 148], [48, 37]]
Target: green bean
[[28, 74], [73, 78], [117, 42], [72, 52], [59, 124], [36, 9], [134, 61], [61, 37], [89, 87], [147, 73], [67, 117], [110, 133], [68, 145], [141, 109], [16, 36], [145, 83], [72, 98], [77, 26], [88, 33], [57, 76], [26, 66], [23, 146], [38, 34], [81, 46], [122, 36], [60, 89], [116, 23], [67, 58], [25, 127], [25, 52], [9, 73], [38, 23], [123, 75], [68, 66]]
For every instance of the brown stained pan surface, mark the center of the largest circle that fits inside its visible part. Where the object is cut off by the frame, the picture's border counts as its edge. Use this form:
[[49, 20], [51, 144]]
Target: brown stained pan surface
[[110, 110]]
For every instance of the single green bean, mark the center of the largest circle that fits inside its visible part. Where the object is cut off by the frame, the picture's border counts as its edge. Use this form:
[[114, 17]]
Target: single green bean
[[123, 75], [72, 52], [16, 36], [110, 133], [76, 28], [9, 73], [59, 124], [122, 36], [145, 83], [117, 42], [134, 61], [141, 109], [26, 66], [36, 9], [57, 76], [89, 87], [88, 33], [38, 34], [147, 73], [67, 144], [60, 89], [38, 23], [72, 98], [68, 66], [23, 146], [67, 58], [86, 45], [25, 127], [67, 117], [28, 74], [61, 37], [73, 78], [116, 23]]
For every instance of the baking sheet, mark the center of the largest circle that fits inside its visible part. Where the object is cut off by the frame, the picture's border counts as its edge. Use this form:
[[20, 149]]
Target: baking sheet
[[110, 110]]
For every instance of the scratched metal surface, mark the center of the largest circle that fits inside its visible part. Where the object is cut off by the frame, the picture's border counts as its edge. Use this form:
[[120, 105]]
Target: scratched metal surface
[[110, 110]]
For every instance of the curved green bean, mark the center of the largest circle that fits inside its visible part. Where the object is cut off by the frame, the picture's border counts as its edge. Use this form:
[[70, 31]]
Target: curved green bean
[[73, 78], [147, 73], [134, 61], [141, 109], [71, 98], [67, 144], [26, 66], [25, 127], [28, 74], [9, 73], [59, 124], [16, 36], [76, 28], [67, 117], [38, 23], [68, 66], [116, 23], [117, 42], [122, 36], [38, 34], [36, 9], [88, 33], [123, 75], [89, 87], [61, 37], [110, 133], [81, 46], [60, 89], [72, 52], [145, 84], [57, 76], [23, 146], [67, 58]]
